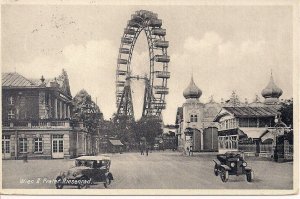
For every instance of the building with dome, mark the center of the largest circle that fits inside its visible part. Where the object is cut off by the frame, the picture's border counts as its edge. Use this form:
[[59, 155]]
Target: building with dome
[[222, 126], [196, 129], [250, 127]]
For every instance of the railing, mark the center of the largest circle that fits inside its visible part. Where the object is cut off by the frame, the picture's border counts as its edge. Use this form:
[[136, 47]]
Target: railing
[[266, 148], [36, 124], [247, 147]]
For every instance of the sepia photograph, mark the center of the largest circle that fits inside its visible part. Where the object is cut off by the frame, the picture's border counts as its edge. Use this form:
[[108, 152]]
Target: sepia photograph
[[149, 97]]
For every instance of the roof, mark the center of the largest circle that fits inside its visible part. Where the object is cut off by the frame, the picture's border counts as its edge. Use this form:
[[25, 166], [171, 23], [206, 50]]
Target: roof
[[98, 157], [116, 142], [246, 111], [235, 131], [16, 80]]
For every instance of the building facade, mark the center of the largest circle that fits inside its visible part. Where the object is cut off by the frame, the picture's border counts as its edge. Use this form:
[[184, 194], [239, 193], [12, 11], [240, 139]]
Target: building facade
[[36, 119], [196, 129], [252, 128], [229, 125]]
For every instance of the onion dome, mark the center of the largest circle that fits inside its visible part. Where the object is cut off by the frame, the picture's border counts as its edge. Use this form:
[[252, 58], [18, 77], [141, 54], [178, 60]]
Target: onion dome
[[192, 91], [272, 92]]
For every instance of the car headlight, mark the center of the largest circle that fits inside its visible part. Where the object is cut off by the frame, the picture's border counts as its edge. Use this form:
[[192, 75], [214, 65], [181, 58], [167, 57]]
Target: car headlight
[[244, 164], [232, 164]]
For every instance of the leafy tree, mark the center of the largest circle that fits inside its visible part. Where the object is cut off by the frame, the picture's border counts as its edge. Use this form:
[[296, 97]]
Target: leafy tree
[[286, 111], [123, 128], [148, 127], [85, 110]]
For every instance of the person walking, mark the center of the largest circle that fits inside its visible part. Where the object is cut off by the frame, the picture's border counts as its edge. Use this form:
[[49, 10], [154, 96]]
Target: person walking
[[147, 150], [25, 159]]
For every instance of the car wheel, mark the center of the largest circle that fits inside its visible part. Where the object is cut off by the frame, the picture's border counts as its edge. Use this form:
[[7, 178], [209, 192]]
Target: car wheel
[[83, 185], [250, 176], [224, 175], [216, 172], [59, 183], [107, 182]]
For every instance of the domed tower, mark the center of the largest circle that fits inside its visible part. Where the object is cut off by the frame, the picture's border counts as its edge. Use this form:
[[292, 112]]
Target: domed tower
[[193, 112], [192, 91], [272, 92]]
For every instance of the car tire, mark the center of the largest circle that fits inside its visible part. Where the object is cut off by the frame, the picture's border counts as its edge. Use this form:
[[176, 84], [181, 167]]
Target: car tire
[[224, 175], [216, 171], [107, 182], [249, 176], [83, 186], [59, 183]]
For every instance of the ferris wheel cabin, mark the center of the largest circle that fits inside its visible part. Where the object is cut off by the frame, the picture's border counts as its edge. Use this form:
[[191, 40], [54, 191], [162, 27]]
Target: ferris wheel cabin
[[161, 44], [162, 74], [162, 58], [159, 31]]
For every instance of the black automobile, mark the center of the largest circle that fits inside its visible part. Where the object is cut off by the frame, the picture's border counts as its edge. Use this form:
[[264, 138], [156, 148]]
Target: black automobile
[[88, 170], [232, 163]]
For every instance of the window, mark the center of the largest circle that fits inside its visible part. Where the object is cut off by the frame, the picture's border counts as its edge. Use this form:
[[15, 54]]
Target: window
[[11, 114], [23, 145], [60, 146], [194, 118], [11, 100], [5, 144], [38, 144], [58, 136]]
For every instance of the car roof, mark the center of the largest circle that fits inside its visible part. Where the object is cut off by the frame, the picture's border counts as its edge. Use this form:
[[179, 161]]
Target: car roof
[[98, 157]]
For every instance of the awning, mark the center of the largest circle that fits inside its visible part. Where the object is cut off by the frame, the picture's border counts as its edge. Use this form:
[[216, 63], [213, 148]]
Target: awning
[[268, 134], [253, 132], [116, 142], [235, 131]]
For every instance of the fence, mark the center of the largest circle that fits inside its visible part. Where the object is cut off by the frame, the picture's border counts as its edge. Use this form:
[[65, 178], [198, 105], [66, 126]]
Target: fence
[[247, 147]]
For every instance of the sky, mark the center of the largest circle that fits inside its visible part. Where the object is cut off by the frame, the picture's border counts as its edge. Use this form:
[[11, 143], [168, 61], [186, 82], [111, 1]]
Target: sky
[[225, 48]]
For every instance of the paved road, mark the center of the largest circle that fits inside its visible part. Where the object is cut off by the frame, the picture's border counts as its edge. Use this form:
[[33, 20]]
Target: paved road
[[159, 170]]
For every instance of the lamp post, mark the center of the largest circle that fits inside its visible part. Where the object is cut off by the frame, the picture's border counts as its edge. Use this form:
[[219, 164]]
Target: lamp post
[[276, 120]]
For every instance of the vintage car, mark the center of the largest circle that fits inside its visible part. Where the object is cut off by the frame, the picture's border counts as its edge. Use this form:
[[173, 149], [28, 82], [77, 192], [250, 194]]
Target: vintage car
[[88, 170], [232, 163]]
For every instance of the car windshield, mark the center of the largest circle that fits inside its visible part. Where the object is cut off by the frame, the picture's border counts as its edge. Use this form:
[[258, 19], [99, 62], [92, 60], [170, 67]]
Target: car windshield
[[92, 163], [234, 154]]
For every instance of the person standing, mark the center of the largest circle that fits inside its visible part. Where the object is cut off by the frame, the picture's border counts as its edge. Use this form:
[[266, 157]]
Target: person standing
[[147, 150], [142, 150]]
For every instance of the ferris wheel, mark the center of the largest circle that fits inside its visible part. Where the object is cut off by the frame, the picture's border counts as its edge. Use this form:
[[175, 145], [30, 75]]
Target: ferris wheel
[[156, 80]]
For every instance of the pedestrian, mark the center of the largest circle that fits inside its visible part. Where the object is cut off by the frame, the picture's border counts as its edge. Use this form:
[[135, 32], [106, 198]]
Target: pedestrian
[[142, 150], [147, 149], [188, 149], [25, 159]]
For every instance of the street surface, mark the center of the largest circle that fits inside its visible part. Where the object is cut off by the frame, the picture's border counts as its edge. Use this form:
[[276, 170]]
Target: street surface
[[159, 170]]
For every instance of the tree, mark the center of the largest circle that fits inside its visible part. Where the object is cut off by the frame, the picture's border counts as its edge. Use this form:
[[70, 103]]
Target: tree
[[123, 128], [149, 127], [87, 111], [286, 111]]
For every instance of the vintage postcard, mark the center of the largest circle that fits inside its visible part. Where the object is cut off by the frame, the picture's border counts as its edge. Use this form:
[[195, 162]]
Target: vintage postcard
[[150, 97]]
